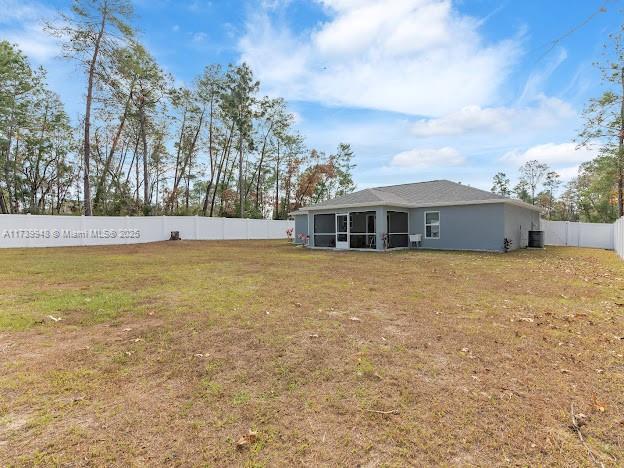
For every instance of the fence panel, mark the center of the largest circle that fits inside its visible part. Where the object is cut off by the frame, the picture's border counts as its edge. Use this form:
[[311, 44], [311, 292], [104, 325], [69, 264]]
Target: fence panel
[[596, 235], [618, 237], [62, 231]]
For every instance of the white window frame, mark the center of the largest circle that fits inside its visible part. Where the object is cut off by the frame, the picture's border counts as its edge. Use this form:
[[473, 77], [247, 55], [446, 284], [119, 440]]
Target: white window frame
[[430, 224], [348, 232]]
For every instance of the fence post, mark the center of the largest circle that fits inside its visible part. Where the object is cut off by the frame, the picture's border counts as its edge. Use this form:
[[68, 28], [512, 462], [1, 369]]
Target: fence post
[[567, 233], [82, 228], [196, 222], [578, 237], [28, 224]]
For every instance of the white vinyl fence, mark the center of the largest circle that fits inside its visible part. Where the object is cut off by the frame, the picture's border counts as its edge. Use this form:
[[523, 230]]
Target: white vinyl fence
[[597, 235], [618, 237], [59, 231]]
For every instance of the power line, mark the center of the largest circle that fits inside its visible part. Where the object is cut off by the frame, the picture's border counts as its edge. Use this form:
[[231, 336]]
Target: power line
[[555, 42]]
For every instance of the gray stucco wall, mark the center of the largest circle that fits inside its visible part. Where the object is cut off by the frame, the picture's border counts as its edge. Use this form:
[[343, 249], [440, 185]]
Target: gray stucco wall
[[465, 227], [518, 222], [301, 227]]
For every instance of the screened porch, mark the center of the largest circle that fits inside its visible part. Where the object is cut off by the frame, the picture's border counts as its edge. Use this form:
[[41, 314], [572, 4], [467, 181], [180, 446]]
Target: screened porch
[[358, 230]]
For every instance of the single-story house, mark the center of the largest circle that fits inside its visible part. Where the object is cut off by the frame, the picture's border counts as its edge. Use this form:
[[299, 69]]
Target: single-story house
[[440, 213]]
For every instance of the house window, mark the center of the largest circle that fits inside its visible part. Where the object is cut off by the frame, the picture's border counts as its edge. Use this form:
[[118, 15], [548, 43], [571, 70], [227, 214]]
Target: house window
[[432, 224]]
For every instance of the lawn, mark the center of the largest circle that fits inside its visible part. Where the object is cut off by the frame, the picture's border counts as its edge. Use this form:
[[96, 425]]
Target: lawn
[[172, 353]]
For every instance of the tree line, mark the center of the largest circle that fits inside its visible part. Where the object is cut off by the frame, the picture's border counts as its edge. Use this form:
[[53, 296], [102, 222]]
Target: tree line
[[145, 146], [596, 194], [591, 196]]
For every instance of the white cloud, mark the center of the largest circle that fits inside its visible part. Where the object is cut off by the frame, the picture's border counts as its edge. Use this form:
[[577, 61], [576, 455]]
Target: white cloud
[[426, 157], [546, 113], [12, 10], [551, 153], [538, 77], [199, 37], [568, 173], [21, 23], [417, 57], [33, 41]]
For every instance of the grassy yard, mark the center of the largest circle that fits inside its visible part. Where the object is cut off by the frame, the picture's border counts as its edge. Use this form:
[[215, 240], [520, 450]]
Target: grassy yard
[[169, 353]]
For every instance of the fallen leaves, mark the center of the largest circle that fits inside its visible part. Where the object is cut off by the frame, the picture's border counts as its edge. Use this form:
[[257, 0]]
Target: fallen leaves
[[598, 405], [247, 440]]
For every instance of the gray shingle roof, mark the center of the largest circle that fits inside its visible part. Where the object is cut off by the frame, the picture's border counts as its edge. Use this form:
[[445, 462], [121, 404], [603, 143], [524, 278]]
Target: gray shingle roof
[[416, 194]]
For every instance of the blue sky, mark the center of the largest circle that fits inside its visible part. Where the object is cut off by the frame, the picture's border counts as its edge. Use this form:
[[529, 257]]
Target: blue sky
[[421, 89]]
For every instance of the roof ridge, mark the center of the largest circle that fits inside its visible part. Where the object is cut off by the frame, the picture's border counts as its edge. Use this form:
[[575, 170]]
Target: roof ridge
[[382, 194], [370, 190], [415, 183]]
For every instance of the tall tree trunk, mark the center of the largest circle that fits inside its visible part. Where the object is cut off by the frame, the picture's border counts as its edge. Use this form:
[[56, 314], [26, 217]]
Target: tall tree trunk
[[277, 176], [157, 188], [58, 186], [227, 180], [36, 179], [187, 160], [187, 189], [134, 155], [102, 180], [3, 206], [241, 185], [288, 191], [174, 195], [620, 160], [212, 160], [207, 194], [7, 166], [87, 125], [14, 175], [224, 156], [262, 154], [136, 174], [146, 192]]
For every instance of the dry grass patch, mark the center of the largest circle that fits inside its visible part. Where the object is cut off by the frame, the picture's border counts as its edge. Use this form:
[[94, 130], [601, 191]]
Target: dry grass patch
[[171, 353]]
